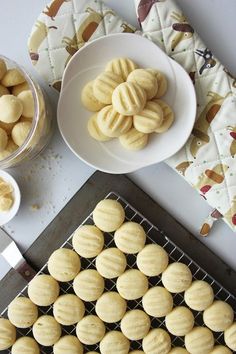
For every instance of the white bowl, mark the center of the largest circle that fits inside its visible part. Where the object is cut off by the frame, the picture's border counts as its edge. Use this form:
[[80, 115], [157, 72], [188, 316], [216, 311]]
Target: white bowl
[[6, 216], [72, 117]]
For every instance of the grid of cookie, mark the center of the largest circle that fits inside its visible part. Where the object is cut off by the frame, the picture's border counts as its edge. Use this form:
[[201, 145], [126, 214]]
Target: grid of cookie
[[154, 235]]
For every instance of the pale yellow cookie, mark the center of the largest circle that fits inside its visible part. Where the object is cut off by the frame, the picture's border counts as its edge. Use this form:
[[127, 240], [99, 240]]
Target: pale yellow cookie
[[161, 82], [7, 127], [132, 284], [152, 260], [230, 336], [110, 307], [130, 237], [200, 340], [22, 312], [129, 98], [64, 264], [146, 80], [219, 316], [3, 68], [136, 352], [68, 345], [88, 99], [168, 116], [112, 123], [104, 85], [12, 77], [25, 345], [89, 285], [20, 132], [157, 342], [111, 263], [19, 88], [90, 330], [149, 119], [220, 349], [68, 309], [177, 277], [27, 100], [3, 90], [132, 331], [199, 295], [7, 334], [178, 350], [43, 290], [114, 339], [179, 321], [88, 241], [133, 140], [94, 130], [10, 148], [3, 140], [108, 215], [157, 302], [46, 330], [121, 66], [11, 108]]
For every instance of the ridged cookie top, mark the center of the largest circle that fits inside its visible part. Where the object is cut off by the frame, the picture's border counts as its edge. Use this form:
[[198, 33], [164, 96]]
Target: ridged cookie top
[[68, 344], [7, 334], [219, 316], [146, 80], [111, 307], [161, 82], [121, 67], [88, 99], [132, 284], [230, 336], [157, 302], [43, 290], [68, 309], [89, 285], [149, 119], [133, 140], [177, 277], [94, 130], [104, 85], [88, 241], [129, 98], [138, 331], [179, 321], [199, 340], [152, 260], [113, 124], [130, 237], [199, 295], [168, 116], [46, 330], [26, 345], [157, 342], [111, 263], [108, 215], [90, 330], [22, 312], [64, 264], [117, 340], [220, 349]]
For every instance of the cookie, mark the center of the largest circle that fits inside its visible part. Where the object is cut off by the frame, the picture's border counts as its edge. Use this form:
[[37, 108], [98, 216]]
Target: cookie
[[146, 80], [89, 285], [133, 140], [26, 345], [219, 316], [199, 340], [10, 148], [12, 77], [110, 307], [152, 260], [177, 277], [136, 352], [3, 90], [132, 284], [88, 241], [112, 123], [149, 119], [168, 116], [20, 132], [94, 130], [199, 295], [19, 88], [64, 264], [88, 99], [157, 302], [27, 100], [114, 339], [3, 140], [129, 98], [11, 108], [46, 330], [130, 237], [178, 350], [131, 331], [111, 263], [161, 82], [220, 349], [7, 334], [90, 330], [157, 342], [69, 345], [104, 85], [179, 321], [230, 336], [68, 309], [43, 290], [7, 127], [108, 215], [121, 66], [22, 312], [3, 68]]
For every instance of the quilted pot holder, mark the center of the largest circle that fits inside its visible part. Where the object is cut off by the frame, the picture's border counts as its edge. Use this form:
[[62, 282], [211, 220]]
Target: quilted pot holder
[[208, 160]]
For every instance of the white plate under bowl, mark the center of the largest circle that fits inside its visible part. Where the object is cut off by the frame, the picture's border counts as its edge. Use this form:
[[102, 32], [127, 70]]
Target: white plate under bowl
[[72, 117], [6, 216]]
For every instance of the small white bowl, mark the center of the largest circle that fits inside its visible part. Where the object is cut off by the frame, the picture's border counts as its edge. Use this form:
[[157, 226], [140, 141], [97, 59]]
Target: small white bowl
[[6, 216], [72, 117]]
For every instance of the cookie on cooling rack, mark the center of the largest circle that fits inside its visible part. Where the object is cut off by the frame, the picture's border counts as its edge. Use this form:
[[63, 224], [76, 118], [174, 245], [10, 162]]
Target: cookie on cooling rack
[[43, 290], [89, 285], [64, 264], [177, 277], [110, 307], [90, 330], [9, 331], [157, 341], [88, 241], [114, 339], [68, 344], [179, 321], [199, 340], [199, 295], [219, 316], [132, 284], [46, 330], [157, 302], [25, 345], [152, 260], [111, 263], [108, 215], [131, 331], [22, 312], [68, 309], [130, 238]]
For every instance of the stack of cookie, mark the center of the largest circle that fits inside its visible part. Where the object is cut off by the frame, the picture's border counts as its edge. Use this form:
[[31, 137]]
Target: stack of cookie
[[127, 101]]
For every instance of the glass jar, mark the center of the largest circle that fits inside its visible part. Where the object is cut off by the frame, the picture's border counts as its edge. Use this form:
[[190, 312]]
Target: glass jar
[[41, 128]]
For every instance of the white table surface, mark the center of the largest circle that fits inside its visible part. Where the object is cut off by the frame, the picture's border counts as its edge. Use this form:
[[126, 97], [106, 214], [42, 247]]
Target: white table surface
[[52, 179]]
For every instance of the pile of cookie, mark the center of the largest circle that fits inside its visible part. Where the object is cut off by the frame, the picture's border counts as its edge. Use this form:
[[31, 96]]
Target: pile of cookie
[[130, 304], [16, 109], [127, 103]]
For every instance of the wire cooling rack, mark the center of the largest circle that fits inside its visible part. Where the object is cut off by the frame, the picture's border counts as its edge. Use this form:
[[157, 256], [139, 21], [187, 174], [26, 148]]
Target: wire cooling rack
[[154, 235]]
